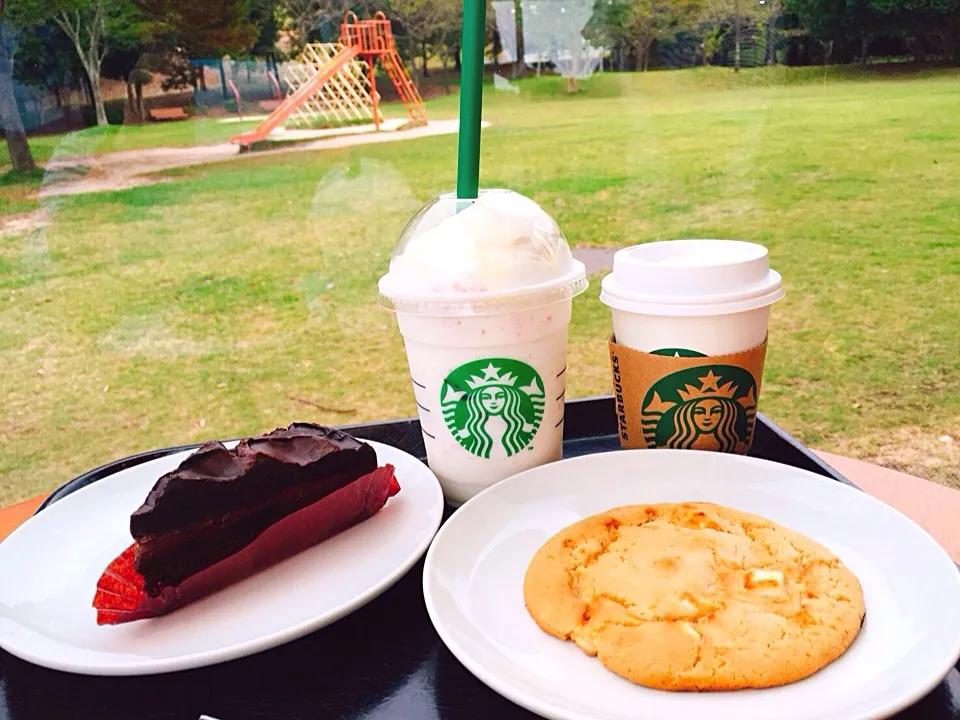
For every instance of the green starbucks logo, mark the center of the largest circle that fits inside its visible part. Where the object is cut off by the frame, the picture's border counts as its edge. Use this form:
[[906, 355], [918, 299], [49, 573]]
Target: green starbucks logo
[[677, 352], [710, 407], [493, 405]]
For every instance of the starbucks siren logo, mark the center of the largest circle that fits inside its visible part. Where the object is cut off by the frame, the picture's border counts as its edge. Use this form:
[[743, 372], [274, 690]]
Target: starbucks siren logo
[[493, 405], [711, 407], [677, 352]]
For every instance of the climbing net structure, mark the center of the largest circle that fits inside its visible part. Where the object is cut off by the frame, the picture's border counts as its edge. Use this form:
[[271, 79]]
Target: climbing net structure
[[344, 98]]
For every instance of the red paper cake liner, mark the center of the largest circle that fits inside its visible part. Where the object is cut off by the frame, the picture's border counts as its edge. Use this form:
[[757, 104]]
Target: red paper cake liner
[[120, 595]]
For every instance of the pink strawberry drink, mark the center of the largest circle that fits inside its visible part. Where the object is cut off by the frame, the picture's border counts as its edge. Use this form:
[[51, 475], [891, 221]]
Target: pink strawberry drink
[[483, 291]]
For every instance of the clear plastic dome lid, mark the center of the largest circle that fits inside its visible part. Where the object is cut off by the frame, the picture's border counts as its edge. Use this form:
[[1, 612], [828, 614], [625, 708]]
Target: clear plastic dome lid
[[497, 253]]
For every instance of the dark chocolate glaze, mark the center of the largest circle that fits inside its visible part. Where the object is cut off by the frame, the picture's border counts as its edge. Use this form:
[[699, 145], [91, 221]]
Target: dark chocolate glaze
[[218, 500]]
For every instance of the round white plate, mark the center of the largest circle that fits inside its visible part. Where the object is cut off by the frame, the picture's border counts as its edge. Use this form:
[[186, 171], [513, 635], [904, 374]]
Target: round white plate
[[473, 585], [50, 565]]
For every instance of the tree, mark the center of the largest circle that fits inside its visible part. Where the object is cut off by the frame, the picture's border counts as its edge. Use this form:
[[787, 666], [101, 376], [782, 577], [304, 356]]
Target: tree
[[636, 24], [844, 22], [265, 17], [85, 24], [129, 65], [917, 20], [201, 29], [90, 25], [46, 60], [185, 31], [448, 42], [423, 21], [519, 65], [737, 14], [307, 15], [12, 23], [837, 21]]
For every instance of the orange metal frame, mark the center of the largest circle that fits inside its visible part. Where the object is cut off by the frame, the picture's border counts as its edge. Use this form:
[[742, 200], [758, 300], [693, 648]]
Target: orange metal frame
[[369, 39], [372, 39]]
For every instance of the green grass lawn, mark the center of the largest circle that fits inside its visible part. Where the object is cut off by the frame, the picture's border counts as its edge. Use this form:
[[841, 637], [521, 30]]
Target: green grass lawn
[[213, 305]]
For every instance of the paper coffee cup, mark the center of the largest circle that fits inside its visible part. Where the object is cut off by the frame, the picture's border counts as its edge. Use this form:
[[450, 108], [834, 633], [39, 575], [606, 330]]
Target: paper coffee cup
[[690, 335], [483, 292]]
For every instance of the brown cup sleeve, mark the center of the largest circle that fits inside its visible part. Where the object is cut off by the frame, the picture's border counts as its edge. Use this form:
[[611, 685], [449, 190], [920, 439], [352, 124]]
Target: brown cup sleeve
[[678, 399]]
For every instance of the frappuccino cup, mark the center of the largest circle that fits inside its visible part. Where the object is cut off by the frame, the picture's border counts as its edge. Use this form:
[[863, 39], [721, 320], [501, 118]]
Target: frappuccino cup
[[482, 290]]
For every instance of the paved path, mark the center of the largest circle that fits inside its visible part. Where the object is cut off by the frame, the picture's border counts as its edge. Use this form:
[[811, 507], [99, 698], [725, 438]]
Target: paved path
[[130, 168]]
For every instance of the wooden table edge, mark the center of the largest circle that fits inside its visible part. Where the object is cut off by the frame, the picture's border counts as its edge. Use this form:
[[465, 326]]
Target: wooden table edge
[[13, 515], [932, 506]]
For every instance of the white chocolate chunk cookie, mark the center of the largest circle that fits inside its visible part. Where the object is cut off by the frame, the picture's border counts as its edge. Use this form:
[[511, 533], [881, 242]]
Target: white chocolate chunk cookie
[[695, 596]]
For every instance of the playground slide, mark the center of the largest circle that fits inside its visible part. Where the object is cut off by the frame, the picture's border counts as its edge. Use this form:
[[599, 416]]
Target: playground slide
[[291, 103]]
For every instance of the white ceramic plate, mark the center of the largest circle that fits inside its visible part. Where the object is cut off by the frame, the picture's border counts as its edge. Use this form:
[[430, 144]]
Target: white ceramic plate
[[474, 572], [50, 565]]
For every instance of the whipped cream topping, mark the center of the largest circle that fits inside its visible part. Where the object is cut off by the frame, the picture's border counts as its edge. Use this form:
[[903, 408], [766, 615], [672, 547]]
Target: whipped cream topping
[[500, 243]]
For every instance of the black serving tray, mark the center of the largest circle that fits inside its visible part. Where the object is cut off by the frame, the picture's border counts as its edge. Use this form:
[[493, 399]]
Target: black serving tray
[[384, 661]]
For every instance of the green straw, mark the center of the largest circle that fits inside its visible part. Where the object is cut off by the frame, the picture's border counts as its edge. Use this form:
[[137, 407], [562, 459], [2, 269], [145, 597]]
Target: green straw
[[471, 98]]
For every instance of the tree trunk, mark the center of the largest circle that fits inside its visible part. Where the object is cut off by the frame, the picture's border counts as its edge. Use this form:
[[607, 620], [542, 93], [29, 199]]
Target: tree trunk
[[141, 110], [19, 148], [223, 79], [64, 100], [736, 38], [423, 55], [303, 31], [949, 47], [93, 74], [85, 85], [919, 50], [456, 59], [131, 114], [770, 54], [90, 56], [864, 46], [17, 145], [519, 65]]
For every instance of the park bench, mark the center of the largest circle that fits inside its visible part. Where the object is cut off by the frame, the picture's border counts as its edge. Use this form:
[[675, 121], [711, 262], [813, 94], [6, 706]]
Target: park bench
[[169, 113]]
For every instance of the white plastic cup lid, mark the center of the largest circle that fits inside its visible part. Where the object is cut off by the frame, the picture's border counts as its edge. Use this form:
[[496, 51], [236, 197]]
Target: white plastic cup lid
[[498, 253], [691, 277]]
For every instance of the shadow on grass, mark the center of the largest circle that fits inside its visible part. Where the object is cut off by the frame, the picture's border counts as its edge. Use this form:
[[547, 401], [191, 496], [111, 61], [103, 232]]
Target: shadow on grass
[[18, 190], [16, 177]]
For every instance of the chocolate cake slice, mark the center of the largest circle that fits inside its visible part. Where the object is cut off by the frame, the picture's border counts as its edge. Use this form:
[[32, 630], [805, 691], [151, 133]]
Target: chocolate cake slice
[[219, 500], [224, 515]]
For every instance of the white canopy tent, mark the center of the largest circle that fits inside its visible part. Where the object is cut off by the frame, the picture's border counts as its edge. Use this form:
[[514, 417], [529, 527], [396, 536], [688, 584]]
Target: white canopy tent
[[552, 33]]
